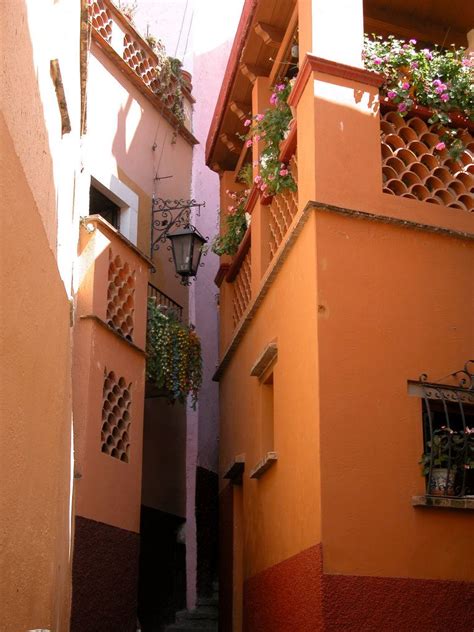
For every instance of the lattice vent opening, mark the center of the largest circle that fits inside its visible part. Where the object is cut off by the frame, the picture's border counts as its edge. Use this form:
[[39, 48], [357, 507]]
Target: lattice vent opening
[[121, 296], [116, 419], [100, 19]]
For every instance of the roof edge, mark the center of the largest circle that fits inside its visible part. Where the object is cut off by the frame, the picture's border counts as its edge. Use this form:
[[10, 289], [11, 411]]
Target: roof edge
[[240, 38]]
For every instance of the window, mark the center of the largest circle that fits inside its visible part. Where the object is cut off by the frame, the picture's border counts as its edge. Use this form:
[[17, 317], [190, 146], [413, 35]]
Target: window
[[101, 205], [448, 433]]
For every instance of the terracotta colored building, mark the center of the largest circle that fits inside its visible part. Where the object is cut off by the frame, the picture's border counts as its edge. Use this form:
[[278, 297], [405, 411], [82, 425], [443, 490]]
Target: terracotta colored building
[[341, 294], [96, 463], [130, 486]]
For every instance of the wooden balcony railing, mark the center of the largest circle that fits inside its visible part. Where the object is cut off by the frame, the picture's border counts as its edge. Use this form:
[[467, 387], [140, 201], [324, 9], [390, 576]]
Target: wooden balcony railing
[[413, 168], [282, 210], [242, 288], [239, 275]]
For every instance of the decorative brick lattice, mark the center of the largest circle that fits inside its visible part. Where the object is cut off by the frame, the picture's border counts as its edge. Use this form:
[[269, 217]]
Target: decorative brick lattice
[[121, 296], [116, 401], [413, 168], [140, 62], [242, 289], [282, 210], [100, 19]]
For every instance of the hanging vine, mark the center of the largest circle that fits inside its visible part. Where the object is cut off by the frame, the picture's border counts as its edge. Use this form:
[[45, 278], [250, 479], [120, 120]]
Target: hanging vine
[[174, 360]]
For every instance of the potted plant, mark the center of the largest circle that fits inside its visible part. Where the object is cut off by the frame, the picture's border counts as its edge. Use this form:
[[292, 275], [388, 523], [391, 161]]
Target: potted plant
[[439, 79], [442, 460]]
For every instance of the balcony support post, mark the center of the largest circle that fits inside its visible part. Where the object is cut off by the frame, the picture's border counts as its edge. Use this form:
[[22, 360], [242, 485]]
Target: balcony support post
[[260, 220]]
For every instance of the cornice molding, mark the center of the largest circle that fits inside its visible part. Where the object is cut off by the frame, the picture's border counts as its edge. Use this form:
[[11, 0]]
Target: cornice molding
[[311, 64]]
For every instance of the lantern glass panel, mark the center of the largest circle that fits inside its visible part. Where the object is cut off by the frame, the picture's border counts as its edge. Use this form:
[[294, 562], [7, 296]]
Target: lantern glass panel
[[197, 252], [182, 245]]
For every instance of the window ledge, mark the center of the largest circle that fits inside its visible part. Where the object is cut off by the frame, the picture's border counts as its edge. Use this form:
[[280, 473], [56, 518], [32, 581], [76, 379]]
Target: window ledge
[[268, 460], [465, 502]]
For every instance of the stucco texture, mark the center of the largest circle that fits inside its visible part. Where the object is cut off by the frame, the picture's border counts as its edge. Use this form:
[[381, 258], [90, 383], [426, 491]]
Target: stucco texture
[[296, 595], [105, 578], [35, 411], [286, 596], [392, 304]]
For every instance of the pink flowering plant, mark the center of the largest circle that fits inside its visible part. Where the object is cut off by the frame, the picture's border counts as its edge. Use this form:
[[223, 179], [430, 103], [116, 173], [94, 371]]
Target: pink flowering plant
[[236, 223], [270, 126], [439, 79]]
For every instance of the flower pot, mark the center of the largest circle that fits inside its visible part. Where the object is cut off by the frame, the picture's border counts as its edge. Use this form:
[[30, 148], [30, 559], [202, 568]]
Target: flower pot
[[440, 486]]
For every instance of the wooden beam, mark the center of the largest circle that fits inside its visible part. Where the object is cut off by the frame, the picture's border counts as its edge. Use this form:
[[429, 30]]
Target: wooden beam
[[284, 46], [61, 96], [217, 168], [232, 145], [241, 110], [269, 34], [252, 72]]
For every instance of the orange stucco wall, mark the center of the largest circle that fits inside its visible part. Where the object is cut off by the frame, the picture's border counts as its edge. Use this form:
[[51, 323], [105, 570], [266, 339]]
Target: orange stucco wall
[[35, 413], [36, 185], [281, 510], [382, 304], [394, 303]]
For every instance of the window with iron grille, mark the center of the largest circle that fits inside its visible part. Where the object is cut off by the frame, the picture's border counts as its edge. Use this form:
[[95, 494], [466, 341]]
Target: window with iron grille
[[447, 461]]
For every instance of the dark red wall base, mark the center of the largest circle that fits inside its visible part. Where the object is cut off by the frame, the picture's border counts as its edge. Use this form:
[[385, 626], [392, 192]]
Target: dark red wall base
[[395, 604], [295, 596], [287, 596], [104, 578]]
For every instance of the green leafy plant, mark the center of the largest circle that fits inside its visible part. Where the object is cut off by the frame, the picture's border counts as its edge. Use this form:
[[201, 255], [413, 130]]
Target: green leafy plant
[[173, 354], [245, 175], [447, 447], [441, 80], [171, 81], [236, 223], [271, 127]]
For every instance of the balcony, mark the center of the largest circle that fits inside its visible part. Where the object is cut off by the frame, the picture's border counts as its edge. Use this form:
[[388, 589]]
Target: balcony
[[130, 52], [109, 373]]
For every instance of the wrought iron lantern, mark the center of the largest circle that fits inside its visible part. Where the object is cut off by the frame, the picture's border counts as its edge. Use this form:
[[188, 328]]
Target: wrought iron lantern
[[171, 221], [186, 245]]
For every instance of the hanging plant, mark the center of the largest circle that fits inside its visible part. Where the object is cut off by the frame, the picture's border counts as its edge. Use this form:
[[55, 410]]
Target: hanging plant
[[439, 79], [174, 360], [271, 127]]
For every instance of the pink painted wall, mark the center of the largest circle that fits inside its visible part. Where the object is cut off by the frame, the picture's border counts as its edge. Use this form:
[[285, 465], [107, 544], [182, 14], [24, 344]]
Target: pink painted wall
[[123, 127], [207, 31]]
